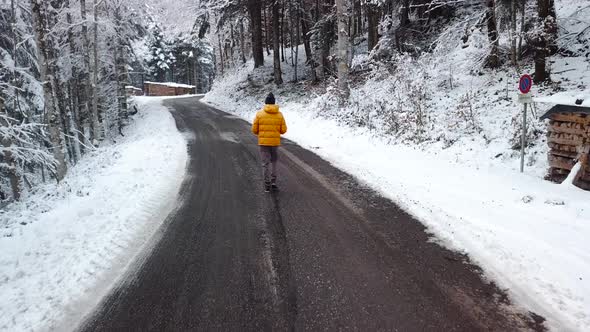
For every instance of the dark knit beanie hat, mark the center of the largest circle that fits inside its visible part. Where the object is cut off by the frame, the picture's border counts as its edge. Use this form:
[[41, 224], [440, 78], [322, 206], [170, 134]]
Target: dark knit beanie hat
[[270, 99]]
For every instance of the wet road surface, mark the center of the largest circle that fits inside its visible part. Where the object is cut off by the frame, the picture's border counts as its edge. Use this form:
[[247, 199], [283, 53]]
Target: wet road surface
[[324, 253]]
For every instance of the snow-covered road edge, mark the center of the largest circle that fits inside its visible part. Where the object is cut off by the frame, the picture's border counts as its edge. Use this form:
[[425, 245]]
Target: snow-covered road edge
[[79, 238]]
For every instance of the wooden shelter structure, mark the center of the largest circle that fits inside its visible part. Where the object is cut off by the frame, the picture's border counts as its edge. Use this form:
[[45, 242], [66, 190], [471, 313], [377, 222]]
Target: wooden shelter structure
[[568, 136], [167, 89]]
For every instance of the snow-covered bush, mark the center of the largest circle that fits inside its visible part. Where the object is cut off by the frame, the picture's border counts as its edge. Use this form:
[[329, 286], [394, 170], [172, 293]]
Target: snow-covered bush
[[392, 102], [22, 152]]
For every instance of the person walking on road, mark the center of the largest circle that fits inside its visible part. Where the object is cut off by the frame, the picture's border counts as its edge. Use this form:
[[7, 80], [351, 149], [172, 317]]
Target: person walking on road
[[269, 124]]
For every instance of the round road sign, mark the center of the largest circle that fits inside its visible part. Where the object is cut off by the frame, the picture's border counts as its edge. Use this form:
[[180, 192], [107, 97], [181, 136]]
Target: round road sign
[[526, 83]]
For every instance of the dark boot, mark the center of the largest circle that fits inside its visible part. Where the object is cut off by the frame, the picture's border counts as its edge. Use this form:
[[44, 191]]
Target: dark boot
[[267, 187]]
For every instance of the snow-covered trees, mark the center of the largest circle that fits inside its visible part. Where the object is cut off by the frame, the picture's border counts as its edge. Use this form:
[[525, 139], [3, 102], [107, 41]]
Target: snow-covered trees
[[69, 80], [63, 71], [47, 56], [64, 66], [161, 59], [20, 153], [383, 28], [23, 139], [176, 51]]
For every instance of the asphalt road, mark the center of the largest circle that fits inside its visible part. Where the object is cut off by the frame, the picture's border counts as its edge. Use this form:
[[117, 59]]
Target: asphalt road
[[324, 253]]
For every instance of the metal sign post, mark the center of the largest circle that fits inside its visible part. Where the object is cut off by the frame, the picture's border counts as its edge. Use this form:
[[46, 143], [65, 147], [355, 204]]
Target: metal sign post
[[525, 85], [523, 139]]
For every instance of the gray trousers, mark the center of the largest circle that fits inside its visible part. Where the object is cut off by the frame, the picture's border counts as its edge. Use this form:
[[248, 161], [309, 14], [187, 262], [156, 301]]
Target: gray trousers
[[269, 156]]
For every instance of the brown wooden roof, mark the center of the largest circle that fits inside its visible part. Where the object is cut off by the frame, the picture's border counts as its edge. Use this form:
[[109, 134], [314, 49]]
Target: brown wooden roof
[[565, 109]]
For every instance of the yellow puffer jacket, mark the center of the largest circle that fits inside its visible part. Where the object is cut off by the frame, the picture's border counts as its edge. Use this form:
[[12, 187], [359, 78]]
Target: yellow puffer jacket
[[269, 125]]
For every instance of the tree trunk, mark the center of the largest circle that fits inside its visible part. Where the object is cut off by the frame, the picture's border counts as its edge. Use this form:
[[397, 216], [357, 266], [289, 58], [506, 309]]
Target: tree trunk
[[121, 71], [15, 77], [266, 27], [242, 42], [64, 111], [197, 73], [62, 98], [282, 35], [231, 45], [358, 18], [221, 60], [541, 74], [493, 59], [323, 66], [95, 122], [73, 86], [226, 56], [117, 56], [281, 27], [46, 68], [405, 14], [373, 26], [306, 42], [86, 116], [276, 43], [521, 35], [305, 31], [297, 39], [342, 9], [292, 29], [255, 11], [13, 176], [513, 54]]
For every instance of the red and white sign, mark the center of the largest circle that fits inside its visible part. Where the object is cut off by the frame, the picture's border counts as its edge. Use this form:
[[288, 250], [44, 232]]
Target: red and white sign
[[525, 84]]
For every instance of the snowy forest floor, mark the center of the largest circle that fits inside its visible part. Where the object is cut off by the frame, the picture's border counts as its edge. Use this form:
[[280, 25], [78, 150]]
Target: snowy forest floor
[[63, 246], [460, 176]]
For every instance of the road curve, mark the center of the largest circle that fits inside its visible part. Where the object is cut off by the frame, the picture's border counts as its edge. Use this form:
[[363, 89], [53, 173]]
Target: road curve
[[325, 253]]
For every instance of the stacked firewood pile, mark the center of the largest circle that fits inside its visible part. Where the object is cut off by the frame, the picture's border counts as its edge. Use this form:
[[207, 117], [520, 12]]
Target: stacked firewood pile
[[568, 137]]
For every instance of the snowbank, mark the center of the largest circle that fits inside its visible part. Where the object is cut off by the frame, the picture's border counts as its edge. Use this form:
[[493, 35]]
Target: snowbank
[[63, 247], [529, 235], [171, 84], [566, 98]]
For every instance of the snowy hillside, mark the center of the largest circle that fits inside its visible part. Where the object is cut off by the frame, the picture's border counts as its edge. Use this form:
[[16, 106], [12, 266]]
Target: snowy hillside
[[440, 135]]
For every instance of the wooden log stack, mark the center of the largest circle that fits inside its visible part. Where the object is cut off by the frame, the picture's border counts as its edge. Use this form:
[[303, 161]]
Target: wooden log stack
[[568, 137]]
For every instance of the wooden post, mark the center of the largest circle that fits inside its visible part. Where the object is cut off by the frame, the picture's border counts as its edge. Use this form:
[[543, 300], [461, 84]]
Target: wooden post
[[523, 139]]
